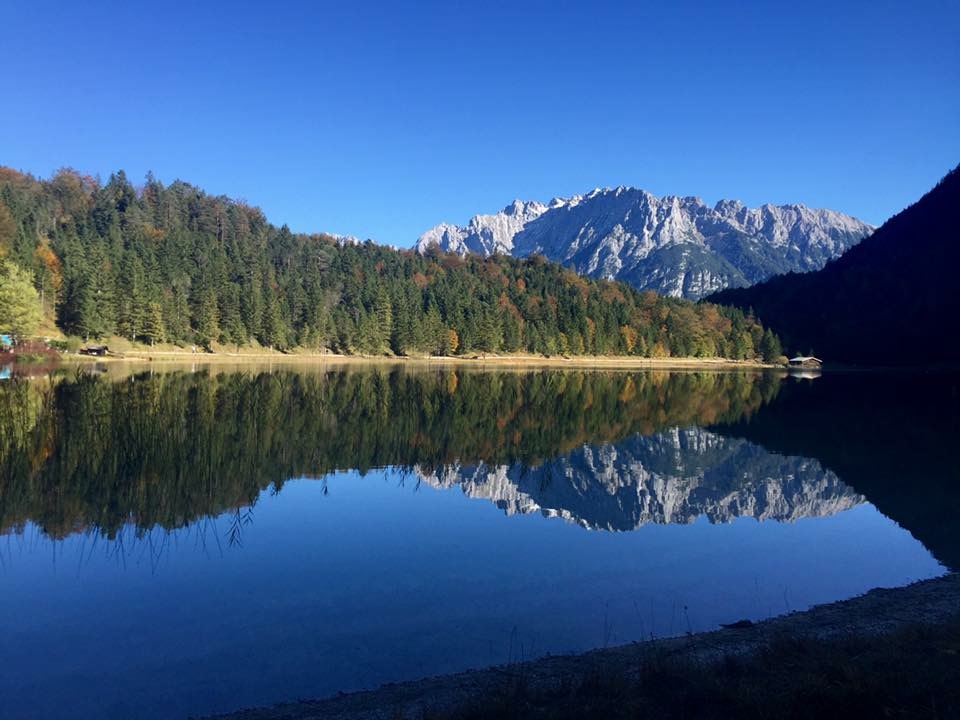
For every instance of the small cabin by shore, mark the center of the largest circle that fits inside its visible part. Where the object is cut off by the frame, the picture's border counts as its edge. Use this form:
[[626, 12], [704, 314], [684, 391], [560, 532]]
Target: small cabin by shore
[[95, 350], [807, 362]]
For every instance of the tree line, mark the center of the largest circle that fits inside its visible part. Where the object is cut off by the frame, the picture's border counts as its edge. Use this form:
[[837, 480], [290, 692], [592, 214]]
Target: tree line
[[170, 263]]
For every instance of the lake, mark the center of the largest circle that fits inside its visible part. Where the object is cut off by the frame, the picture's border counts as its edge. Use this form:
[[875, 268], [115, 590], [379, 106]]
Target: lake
[[198, 540]]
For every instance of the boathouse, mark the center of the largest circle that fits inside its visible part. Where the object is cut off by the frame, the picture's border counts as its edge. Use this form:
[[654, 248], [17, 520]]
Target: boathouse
[[806, 361]]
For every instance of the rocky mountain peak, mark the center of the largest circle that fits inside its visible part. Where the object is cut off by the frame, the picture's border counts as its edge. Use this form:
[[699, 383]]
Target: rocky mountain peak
[[675, 245]]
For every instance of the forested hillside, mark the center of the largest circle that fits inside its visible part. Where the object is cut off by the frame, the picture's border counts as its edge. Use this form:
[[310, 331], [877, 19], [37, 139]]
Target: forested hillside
[[171, 263], [891, 300]]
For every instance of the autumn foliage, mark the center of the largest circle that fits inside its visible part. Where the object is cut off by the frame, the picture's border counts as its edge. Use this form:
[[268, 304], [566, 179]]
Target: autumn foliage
[[170, 263]]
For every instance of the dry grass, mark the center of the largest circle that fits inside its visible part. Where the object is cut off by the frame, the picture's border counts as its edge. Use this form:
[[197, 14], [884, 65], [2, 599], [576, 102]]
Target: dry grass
[[912, 673], [125, 351]]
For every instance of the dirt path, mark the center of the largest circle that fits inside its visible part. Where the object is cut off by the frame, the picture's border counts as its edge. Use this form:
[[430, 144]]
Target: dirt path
[[878, 612]]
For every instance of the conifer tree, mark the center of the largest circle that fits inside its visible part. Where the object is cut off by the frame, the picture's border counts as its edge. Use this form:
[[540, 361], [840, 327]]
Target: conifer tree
[[770, 348], [384, 320], [273, 334], [206, 320], [153, 329], [133, 305]]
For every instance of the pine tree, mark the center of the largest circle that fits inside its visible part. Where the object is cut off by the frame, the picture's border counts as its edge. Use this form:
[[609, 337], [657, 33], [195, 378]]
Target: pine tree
[[369, 339], [153, 329], [512, 336], [84, 315], [104, 296], [742, 346], [251, 305], [488, 333], [94, 304], [176, 314], [274, 332], [231, 323], [383, 312], [435, 333], [206, 320], [345, 332], [133, 306], [323, 328], [403, 339], [8, 231], [770, 348]]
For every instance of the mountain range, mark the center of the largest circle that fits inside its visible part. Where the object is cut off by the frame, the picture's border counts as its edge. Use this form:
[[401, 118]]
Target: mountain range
[[676, 246]]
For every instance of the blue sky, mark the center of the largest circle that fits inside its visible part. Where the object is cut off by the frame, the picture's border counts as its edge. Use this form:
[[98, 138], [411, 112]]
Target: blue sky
[[381, 120]]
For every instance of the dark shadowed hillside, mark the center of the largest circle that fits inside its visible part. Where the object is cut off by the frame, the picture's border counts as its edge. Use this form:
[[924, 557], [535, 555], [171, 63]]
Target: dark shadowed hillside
[[891, 300]]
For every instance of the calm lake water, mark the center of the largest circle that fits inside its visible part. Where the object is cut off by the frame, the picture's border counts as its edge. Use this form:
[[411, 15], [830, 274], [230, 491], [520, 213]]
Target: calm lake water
[[187, 542]]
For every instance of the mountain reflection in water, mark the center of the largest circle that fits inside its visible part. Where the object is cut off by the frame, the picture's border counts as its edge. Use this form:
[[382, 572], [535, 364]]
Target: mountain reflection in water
[[670, 477]]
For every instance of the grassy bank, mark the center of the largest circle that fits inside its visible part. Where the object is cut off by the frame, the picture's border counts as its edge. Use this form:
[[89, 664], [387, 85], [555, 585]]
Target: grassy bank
[[913, 672], [888, 653]]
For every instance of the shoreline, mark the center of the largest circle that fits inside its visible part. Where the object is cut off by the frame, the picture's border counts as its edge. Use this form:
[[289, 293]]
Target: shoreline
[[875, 614], [506, 361]]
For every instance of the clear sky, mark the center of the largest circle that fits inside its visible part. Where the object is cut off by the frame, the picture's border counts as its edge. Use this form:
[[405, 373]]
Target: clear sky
[[383, 119]]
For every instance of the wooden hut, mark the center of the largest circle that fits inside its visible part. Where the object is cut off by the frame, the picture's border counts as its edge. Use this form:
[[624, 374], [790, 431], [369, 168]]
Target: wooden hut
[[96, 350]]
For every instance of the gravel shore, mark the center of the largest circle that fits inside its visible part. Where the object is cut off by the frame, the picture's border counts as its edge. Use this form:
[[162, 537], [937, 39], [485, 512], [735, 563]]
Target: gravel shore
[[878, 612]]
